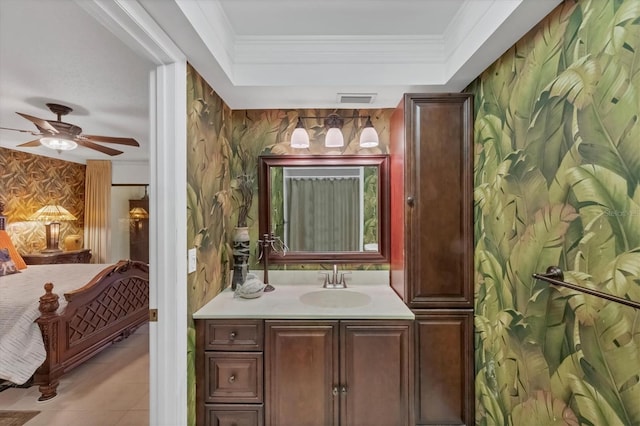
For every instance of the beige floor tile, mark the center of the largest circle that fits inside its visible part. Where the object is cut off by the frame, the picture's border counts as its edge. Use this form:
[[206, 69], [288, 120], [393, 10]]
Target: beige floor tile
[[77, 418], [134, 418], [113, 387]]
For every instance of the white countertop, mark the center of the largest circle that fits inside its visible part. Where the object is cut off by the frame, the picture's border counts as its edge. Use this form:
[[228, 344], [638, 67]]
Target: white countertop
[[299, 295]]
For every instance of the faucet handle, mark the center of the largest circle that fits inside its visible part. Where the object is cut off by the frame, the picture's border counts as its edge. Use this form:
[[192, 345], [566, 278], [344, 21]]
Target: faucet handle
[[343, 280], [326, 278]]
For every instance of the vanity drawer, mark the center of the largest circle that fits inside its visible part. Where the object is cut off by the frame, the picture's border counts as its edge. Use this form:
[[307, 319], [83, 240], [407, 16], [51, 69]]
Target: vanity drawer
[[233, 377], [234, 335], [234, 415]]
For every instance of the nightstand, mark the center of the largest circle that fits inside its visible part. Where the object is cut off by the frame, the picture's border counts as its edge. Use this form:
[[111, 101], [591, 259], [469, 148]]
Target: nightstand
[[74, 256]]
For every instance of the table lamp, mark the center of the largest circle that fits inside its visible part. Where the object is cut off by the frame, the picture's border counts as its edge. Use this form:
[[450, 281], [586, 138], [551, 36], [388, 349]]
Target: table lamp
[[52, 215]]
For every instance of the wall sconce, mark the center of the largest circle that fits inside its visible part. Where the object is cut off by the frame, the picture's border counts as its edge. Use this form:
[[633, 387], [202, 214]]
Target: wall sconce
[[52, 215], [136, 214], [334, 137]]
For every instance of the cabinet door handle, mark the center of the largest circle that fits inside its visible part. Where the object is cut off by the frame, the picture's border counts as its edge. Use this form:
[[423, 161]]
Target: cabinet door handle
[[344, 390], [232, 378], [411, 201], [232, 335], [335, 391]]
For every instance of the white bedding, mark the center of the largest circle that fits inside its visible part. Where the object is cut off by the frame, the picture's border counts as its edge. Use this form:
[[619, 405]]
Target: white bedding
[[21, 348]]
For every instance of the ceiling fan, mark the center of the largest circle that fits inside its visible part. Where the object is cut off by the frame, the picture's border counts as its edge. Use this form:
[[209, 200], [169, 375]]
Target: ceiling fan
[[63, 136]]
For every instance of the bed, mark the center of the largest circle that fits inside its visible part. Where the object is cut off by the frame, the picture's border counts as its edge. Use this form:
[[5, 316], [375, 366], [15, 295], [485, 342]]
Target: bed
[[43, 335]]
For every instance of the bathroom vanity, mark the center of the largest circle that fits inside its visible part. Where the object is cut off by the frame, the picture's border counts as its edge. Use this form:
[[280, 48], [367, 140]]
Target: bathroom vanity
[[304, 355]]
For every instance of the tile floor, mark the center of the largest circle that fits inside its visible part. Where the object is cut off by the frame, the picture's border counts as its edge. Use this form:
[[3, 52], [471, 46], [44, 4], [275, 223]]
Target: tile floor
[[111, 389]]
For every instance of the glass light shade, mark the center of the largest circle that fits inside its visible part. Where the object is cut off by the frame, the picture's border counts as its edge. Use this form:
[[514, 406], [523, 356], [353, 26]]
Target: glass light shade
[[52, 213], [138, 213], [300, 137], [369, 136], [334, 138], [58, 144]]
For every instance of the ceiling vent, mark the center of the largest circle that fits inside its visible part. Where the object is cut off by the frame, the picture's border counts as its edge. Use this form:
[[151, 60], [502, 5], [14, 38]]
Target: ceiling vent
[[356, 98]]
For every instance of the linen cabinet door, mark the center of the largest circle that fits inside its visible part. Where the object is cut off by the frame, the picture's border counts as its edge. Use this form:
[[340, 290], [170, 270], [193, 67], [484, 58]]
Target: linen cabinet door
[[439, 232], [301, 365], [444, 367], [376, 373]]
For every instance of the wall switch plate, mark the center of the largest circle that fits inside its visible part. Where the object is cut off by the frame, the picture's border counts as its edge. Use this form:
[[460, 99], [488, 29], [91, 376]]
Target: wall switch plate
[[191, 260]]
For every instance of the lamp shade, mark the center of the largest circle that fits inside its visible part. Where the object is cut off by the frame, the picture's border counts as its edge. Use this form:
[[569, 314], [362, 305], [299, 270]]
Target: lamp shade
[[369, 136], [300, 137], [138, 213], [52, 213]]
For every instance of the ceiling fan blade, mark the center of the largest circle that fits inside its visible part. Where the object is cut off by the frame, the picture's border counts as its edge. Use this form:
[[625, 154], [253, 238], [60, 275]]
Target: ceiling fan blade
[[103, 149], [40, 123], [23, 131], [110, 139], [35, 142]]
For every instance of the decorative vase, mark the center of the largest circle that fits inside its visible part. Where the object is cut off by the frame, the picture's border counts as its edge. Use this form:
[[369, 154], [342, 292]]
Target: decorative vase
[[241, 252]]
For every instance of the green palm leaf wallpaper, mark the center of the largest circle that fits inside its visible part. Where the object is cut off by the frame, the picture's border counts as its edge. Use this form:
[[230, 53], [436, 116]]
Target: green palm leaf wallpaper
[[557, 182]]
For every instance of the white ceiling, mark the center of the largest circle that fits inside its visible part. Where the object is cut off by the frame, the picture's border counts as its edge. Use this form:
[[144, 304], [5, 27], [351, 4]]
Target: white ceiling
[[254, 53]]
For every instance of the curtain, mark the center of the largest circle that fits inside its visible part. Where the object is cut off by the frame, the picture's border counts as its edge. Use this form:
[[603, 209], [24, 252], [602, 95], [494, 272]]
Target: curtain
[[324, 214], [97, 210]]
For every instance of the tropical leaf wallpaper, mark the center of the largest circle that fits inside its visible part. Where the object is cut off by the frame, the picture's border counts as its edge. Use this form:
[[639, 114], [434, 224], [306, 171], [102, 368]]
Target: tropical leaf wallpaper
[[30, 182], [557, 172]]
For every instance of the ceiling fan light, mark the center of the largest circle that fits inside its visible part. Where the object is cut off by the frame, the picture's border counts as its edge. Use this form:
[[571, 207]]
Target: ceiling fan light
[[59, 144], [369, 136], [300, 137]]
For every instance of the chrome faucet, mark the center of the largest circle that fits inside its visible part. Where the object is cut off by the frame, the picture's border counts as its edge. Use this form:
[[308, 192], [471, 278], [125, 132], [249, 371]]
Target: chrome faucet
[[336, 280]]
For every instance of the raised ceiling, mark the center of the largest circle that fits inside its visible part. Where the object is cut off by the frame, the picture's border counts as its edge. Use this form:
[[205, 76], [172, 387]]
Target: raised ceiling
[[254, 53]]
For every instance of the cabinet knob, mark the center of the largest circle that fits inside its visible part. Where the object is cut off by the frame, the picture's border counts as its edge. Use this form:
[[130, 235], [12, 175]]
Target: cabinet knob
[[343, 390], [232, 378], [411, 201], [335, 391], [232, 335]]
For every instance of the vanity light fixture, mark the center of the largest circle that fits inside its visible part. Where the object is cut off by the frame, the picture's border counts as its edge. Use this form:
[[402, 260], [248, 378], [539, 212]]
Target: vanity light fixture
[[334, 137]]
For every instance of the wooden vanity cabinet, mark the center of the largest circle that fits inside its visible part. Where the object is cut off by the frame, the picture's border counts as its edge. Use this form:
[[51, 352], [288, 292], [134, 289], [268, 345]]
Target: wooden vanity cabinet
[[444, 379], [344, 372], [431, 155], [229, 371]]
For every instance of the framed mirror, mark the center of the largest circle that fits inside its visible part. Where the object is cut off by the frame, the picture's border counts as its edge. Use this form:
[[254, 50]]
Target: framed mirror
[[325, 209]]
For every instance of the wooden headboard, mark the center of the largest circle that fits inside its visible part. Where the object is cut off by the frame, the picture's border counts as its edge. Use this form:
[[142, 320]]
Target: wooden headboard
[[2, 218]]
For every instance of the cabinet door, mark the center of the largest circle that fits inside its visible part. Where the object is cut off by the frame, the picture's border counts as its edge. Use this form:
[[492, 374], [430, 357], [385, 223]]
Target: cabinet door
[[438, 237], [376, 382], [444, 367], [301, 365]]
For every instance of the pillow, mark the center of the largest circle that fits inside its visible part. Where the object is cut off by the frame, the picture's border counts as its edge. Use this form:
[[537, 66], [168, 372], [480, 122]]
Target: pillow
[[7, 267], [6, 243]]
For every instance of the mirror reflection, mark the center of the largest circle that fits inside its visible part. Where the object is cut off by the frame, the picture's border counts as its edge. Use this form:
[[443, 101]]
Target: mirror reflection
[[319, 209], [330, 208]]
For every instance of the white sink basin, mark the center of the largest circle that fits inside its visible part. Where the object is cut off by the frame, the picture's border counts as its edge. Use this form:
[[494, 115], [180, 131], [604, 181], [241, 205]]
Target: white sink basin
[[335, 298]]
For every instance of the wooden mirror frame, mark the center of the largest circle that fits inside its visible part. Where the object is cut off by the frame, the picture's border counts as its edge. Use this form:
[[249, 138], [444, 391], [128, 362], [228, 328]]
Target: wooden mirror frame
[[266, 162]]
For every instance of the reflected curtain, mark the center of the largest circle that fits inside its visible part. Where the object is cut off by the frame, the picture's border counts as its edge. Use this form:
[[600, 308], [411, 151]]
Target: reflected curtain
[[97, 211], [324, 214]]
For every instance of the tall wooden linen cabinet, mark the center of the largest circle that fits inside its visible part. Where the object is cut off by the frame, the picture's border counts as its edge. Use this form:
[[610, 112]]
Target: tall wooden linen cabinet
[[432, 247]]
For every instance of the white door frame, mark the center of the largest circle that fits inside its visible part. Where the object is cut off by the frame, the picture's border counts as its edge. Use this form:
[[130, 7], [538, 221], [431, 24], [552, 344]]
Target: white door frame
[[129, 21]]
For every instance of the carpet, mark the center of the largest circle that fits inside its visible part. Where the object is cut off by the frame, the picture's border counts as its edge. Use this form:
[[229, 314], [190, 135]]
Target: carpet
[[16, 418]]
